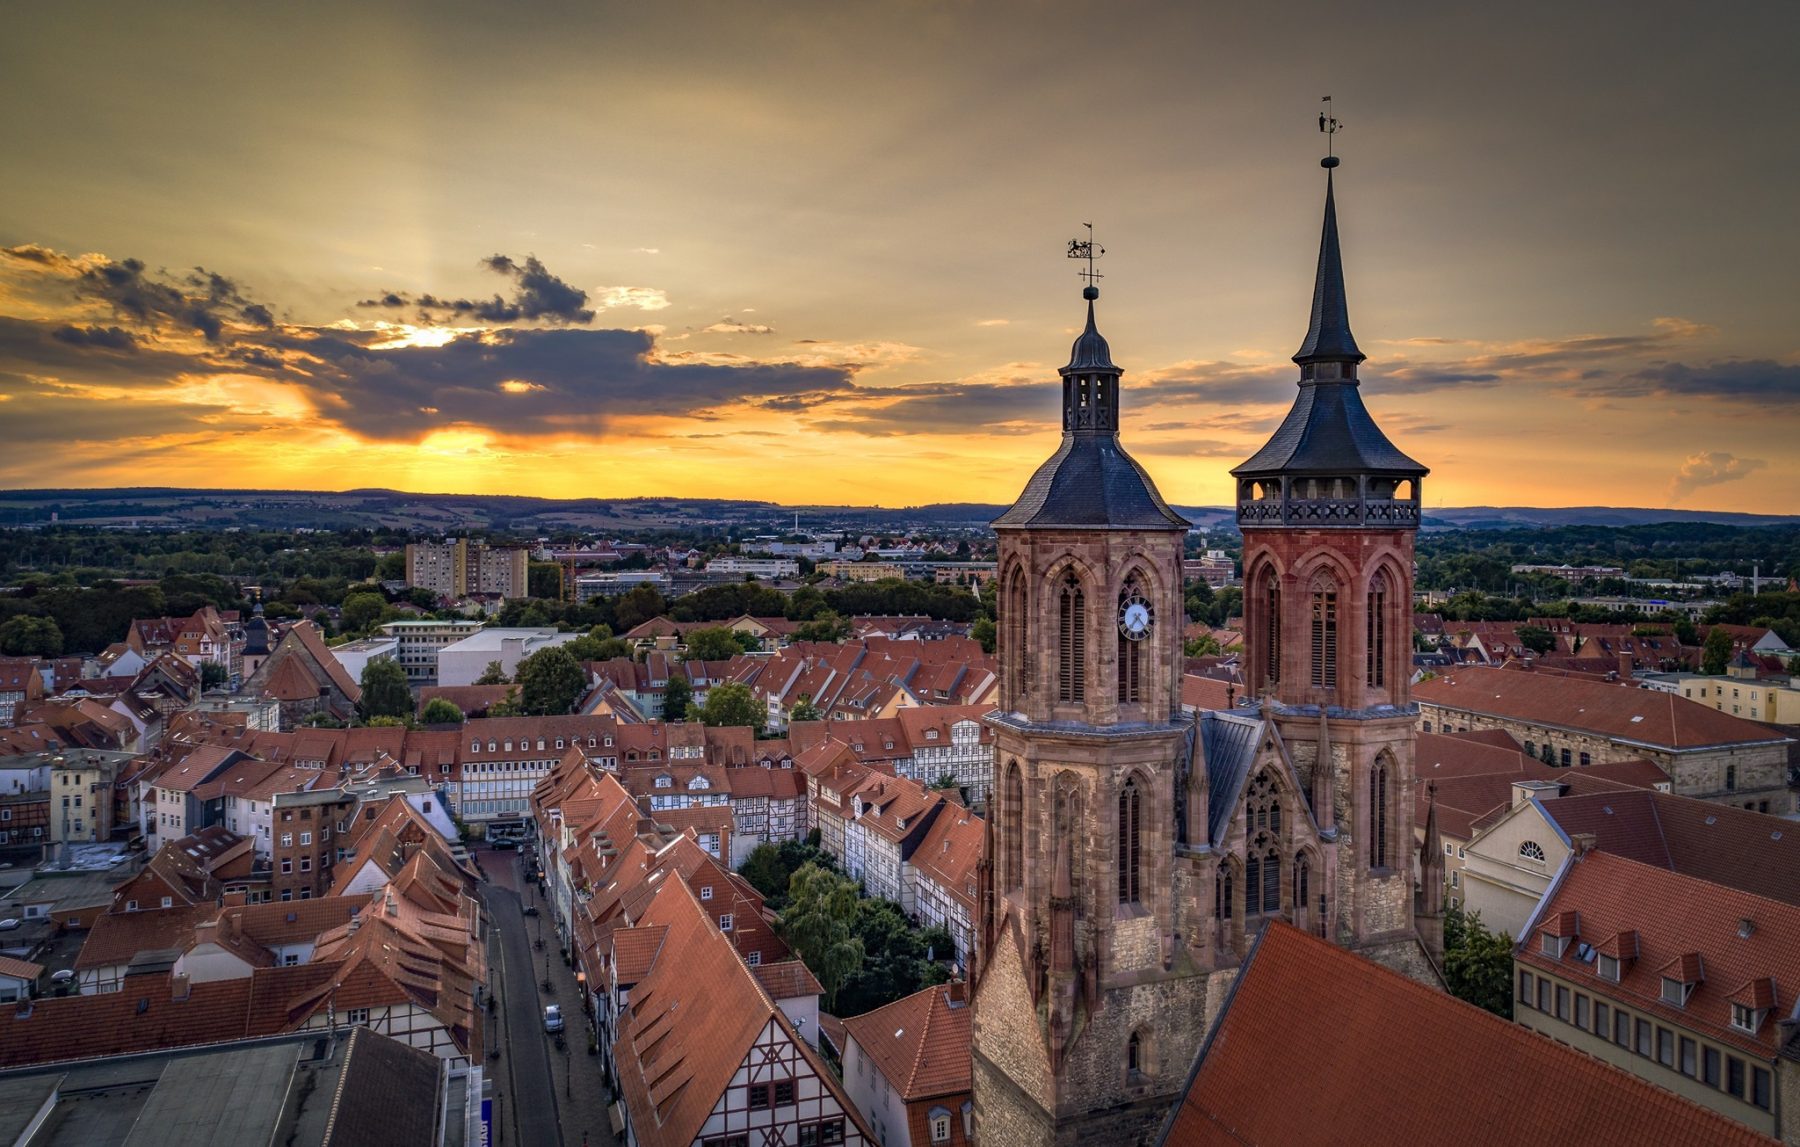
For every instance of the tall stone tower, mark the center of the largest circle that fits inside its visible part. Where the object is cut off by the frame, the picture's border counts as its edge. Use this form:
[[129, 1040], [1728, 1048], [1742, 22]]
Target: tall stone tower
[[1084, 986], [1328, 510]]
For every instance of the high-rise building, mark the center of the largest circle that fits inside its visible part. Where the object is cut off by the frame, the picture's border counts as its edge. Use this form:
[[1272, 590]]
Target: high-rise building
[[458, 567], [1135, 851]]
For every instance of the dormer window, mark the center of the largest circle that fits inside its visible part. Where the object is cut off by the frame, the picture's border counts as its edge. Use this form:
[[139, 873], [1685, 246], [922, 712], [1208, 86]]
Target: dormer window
[[1746, 1019], [1609, 968], [665, 781], [1676, 992], [1555, 946]]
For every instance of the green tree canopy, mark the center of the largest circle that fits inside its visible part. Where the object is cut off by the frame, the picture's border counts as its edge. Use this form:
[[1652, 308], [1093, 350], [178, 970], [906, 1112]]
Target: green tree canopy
[[31, 636], [678, 695], [819, 924], [384, 691], [494, 674], [212, 674], [1536, 638], [732, 704], [438, 711], [827, 626], [636, 606], [1715, 655], [717, 644], [984, 632], [362, 611], [551, 681], [1479, 968], [805, 710]]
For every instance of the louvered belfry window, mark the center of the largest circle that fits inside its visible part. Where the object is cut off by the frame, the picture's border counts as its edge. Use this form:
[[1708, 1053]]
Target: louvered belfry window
[[1378, 628], [1324, 638], [1071, 674], [1018, 646], [1273, 656], [1130, 839], [1378, 816]]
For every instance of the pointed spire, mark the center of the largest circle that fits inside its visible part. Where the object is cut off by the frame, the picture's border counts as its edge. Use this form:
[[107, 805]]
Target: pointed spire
[[1328, 338], [1090, 351]]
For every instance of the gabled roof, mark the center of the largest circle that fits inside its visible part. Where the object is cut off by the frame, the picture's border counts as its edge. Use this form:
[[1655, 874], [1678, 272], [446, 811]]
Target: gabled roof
[[1724, 938], [1254, 1083], [949, 853], [920, 1043], [1621, 713]]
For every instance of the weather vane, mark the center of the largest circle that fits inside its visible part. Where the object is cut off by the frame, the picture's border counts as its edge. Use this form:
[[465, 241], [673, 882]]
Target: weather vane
[[1329, 124], [1089, 250]]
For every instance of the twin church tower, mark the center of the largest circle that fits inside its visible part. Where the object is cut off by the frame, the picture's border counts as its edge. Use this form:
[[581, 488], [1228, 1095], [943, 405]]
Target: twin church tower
[[1136, 850]]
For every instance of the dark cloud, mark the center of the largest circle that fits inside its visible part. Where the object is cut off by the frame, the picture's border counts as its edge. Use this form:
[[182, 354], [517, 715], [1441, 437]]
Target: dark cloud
[[940, 408], [523, 381], [201, 301], [1743, 380], [115, 338], [537, 295]]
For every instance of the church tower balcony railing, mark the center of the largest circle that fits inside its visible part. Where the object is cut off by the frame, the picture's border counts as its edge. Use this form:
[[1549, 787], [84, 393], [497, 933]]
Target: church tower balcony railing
[[1347, 501]]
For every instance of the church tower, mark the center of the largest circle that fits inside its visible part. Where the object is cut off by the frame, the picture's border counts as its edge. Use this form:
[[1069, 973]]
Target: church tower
[[1087, 1003], [1328, 509]]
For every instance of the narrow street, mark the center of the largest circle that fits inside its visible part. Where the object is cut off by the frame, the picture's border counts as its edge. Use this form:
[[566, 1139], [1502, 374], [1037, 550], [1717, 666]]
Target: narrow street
[[527, 1109], [544, 1088]]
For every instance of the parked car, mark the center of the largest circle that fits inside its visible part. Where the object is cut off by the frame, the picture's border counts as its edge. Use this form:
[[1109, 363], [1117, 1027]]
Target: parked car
[[9, 923], [553, 1021], [504, 843], [66, 975], [529, 910]]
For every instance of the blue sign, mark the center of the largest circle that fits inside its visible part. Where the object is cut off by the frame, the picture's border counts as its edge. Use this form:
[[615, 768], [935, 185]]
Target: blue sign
[[487, 1123]]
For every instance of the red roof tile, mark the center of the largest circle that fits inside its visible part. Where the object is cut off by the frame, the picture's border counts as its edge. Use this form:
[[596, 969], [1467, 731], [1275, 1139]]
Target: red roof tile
[[920, 1043], [1256, 1083]]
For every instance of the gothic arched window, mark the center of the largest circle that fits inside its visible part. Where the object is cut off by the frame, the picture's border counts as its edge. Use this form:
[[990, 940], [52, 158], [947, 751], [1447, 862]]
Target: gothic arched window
[[1130, 841], [1271, 605], [1378, 814], [1071, 641], [1137, 1060], [1018, 656], [1069, 826], [1014, 866], [1324, 634], [1378, 629], [1252, 884], [1130, 666], [1262, 804], [1222, 893], [1302, 881], [1271, 882]]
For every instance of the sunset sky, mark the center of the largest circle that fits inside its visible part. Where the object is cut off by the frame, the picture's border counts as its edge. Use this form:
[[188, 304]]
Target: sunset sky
[[814, 252]]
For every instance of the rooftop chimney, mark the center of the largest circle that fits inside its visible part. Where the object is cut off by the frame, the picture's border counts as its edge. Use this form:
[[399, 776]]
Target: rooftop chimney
[[1523, 791], [1582, 843], [1746, 928]]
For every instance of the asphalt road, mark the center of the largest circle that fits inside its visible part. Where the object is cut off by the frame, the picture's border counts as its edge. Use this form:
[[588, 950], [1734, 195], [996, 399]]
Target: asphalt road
[[522, 1073]]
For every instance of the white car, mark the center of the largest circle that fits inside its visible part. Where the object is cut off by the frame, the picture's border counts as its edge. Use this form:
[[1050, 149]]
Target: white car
[[553, 1021], [66, 975], [9, 923]]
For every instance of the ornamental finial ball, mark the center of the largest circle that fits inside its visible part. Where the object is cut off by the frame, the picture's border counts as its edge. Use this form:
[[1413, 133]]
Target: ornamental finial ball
[[1090, 292], [1329, 162]]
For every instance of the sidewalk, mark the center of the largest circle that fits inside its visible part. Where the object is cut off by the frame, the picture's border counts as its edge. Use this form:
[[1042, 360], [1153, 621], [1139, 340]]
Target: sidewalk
[[583, 1099]]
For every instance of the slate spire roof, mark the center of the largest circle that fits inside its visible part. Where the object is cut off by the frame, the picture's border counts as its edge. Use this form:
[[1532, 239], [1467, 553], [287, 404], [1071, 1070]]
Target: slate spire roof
[[1090, 482], [1328, 431], [1329, 339]]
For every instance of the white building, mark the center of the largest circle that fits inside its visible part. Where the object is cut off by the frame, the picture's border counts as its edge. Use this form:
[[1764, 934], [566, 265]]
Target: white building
[[755, 567], [355, 656], [422, 641], [463, 662]]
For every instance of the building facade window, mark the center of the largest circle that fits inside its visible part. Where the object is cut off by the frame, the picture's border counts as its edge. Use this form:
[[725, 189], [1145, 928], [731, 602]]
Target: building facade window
[[1130, 841], [1377, 636], [1378, 815], [1071, 643], [1324, 637]]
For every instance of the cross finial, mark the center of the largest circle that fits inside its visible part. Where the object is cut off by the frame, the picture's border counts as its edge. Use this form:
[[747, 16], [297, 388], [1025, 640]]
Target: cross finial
[[1089, 250], [1329, 124]]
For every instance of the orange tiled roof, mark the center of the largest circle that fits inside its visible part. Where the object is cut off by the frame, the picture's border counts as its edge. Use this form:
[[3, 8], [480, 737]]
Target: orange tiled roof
[[920, 1043], [1635, 716], [1254, 1083]]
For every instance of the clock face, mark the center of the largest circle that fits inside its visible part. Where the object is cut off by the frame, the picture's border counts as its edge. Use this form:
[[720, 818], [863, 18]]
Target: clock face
[[1135, 618]]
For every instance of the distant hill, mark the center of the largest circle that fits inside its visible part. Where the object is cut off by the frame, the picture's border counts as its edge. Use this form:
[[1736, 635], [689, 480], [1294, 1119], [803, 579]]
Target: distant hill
[[173, 508]]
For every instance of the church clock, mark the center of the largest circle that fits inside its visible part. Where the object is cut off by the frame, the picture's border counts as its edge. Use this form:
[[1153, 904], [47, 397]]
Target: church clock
[[1135, 617]]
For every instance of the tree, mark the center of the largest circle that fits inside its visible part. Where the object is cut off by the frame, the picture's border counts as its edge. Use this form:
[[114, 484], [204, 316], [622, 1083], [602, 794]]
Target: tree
[[819, 923], [637, 606], [678, 696], [391, 568], [1685, 631], [827, 627], [384, 691], [598, 644], [438, 711], [31, 636], [494, 674], [507, 706], [765, 871], [1479, 969], [361, 612], [552, 681], [984, 632], [212, 674], [1715, 655], [1536, 638], [805, 710], [716, 644], [544, 579], [1793, 665], [1203, 646], [732, 704]]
